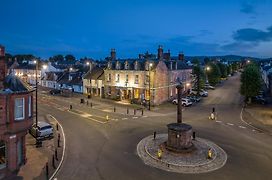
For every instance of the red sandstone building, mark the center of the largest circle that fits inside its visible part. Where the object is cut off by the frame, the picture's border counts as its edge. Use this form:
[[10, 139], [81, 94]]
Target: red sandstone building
[[16, 117]]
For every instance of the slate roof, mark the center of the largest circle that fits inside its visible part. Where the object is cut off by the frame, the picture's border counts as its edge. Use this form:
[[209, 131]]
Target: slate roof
[[50, 76], [96, 73], [76, 78], [14, 84]]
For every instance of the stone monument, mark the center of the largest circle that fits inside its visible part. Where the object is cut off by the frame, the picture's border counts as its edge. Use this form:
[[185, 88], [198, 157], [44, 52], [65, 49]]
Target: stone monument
[[179, 134]]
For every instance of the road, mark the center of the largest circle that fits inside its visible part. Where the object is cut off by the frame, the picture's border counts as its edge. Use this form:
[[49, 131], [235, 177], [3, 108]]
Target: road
[[106, 150]]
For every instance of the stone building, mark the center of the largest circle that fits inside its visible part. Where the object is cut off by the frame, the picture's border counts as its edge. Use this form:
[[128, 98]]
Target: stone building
[[16, 117], [148, 77]]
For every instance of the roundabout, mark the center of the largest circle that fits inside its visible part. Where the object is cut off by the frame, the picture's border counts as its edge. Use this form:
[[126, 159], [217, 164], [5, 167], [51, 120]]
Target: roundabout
[[193, 162]]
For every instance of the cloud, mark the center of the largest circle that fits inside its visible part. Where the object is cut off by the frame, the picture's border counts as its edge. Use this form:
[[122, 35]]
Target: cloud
[[247, 8], [253, 35]]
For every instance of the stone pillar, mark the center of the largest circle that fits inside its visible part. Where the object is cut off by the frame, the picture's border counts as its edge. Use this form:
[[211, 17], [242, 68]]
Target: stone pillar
[[179, 107]]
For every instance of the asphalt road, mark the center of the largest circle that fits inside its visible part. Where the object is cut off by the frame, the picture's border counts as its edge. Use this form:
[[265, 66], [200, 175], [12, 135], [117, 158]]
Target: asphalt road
[[106, 150]]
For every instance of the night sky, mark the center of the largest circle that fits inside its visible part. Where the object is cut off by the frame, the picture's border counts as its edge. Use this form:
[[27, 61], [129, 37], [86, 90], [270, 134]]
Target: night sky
[[92, 27]]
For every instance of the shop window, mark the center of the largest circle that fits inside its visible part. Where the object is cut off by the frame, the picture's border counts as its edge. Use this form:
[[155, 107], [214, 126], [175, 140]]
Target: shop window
[[19, 112], [136, 93], [2, 154], [147, 95]]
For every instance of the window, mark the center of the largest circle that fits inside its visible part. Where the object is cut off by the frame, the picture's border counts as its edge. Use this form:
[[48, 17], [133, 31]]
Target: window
[[136, 79], [2, 154], [136, 93], [109, 77], [146, 79], [126, 65], [136, 65], [126, 77], [19, 112], [117, 77], [29, 106]]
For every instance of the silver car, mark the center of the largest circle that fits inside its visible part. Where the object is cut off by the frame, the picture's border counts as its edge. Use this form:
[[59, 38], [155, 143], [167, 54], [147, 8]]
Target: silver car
[[43, 130]]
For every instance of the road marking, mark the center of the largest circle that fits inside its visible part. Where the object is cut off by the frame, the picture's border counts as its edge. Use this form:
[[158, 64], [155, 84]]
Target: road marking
[[243, 127], [145, 116], [124, 118], [134, 117], [218, 121], [230, 124]]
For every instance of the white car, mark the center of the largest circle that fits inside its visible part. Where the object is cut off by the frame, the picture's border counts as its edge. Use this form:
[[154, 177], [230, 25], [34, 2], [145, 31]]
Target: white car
[[184, 102], [202, 93], [43, 130]]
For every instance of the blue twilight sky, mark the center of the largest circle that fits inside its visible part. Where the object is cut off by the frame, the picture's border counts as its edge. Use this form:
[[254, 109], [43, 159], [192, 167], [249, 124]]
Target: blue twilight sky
[[92, 27]]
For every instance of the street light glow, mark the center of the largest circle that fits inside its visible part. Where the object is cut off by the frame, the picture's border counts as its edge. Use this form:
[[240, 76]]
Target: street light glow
[[44, 66], [87, 63], [35, 61], [208, 68], [150, 64], [71, 69], [188, 84]]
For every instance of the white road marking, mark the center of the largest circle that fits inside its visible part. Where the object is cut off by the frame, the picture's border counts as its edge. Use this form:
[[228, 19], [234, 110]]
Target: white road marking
[[134, 117], [218, 121], [124, 118], [145, 116], [243, 127], [230, 124]]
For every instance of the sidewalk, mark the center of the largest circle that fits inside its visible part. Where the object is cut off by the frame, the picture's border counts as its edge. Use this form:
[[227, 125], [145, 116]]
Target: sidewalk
[[38, 157], [259, 117]]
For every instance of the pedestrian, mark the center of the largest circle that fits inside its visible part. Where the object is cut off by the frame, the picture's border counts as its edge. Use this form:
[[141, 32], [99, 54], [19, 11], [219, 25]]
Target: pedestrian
[[154, 135]]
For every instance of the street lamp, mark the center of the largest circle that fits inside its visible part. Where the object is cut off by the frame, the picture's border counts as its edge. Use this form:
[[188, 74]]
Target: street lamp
[[149, 68], [206, 72], [36, 107]]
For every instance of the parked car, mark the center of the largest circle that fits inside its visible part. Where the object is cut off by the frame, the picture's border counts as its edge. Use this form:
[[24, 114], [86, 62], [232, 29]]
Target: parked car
[[55, 91], [202, 92], [194, 98], [259, 100], [184, 102], [43, 130], [207, 86]]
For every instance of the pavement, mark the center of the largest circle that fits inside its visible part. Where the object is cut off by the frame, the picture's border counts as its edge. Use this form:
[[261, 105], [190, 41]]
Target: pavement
[[35, 167]]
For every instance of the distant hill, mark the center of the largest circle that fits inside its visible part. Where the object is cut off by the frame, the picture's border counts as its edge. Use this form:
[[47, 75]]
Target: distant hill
[[227, 58]]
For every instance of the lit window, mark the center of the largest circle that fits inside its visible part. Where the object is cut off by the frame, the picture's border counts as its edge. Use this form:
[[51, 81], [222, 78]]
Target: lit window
[[2, 154], [29, 106], [19, 112], [136, 79], [117, 77]]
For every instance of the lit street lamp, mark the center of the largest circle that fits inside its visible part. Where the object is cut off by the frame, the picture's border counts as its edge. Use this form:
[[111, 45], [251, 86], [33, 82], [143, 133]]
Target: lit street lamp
[[206, 72], [149, 68]]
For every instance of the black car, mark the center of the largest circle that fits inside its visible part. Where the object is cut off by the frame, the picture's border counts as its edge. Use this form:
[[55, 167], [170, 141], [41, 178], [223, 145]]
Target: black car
[[259, 100], [55, 91]]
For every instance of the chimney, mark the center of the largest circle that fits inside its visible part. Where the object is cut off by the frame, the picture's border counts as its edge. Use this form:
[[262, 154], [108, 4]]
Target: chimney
[[160, 52], [181, 56], [113, 54], [141, 56], [167, 56], [3, 66]]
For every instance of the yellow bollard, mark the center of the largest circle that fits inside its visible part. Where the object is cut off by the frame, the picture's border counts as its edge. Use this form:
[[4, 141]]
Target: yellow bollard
[[107, 117], [209, 154], [159, 153]]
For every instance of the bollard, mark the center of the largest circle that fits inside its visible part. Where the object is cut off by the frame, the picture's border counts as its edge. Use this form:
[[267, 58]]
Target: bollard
[[91, 104], [56, 154], [134, 111], [127, 111], [154, 135], [194, 135], [46, 171], [71, 107], [57, 126], [107, 117], [114, 109], [159, 154], [142, 112], [53, 162], [87, 103], [210, 154]]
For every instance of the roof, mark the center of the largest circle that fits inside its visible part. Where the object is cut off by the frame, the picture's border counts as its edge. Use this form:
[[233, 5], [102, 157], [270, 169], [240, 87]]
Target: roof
[[76, 78], [95, 73], [14, 84], [50, 76]]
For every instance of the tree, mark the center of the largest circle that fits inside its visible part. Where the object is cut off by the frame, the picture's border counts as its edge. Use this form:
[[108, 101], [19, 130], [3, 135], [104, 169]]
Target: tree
[[223, 70], [250, 82], [207, 60], [198, 78], [195, 61], [56, 58], [70, 58], [214, 74]]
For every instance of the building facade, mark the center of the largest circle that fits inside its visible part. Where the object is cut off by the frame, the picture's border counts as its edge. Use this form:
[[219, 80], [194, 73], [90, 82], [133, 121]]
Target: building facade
[[16, 117], [148, 78]]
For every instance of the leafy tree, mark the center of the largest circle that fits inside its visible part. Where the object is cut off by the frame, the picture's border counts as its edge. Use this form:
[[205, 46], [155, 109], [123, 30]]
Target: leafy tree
[[56, 58], [198, 78], [214, 74], [229, 69], [250, 81], [70, 58], [207, 60], [195, 61], [223, 70]]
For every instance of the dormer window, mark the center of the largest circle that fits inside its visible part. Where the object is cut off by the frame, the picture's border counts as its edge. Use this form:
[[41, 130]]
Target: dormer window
[[136, 64], [117, 65], [109, 65], [126, 65]]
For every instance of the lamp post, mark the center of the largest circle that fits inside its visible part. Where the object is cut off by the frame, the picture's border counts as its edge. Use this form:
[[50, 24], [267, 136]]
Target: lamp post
[[36, 107], [149, 104], [206, 72]]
